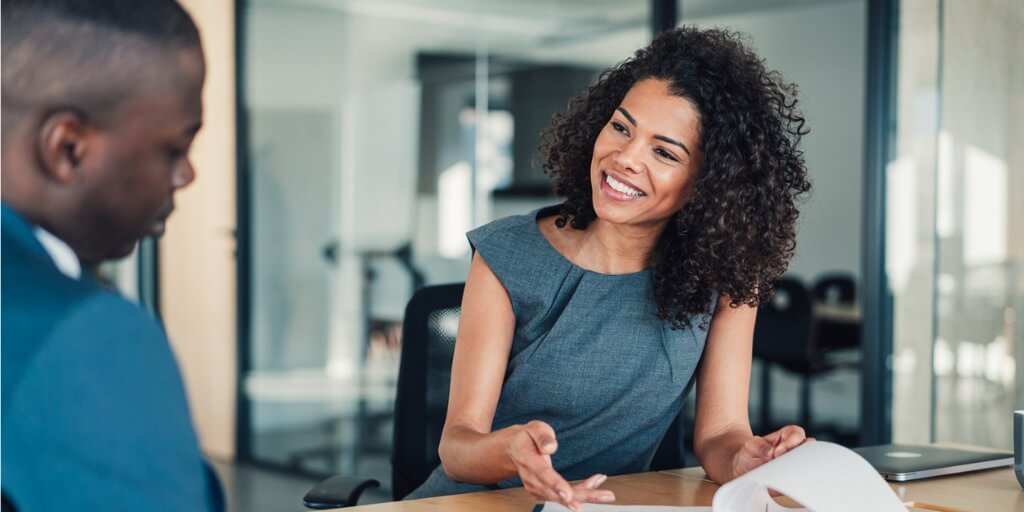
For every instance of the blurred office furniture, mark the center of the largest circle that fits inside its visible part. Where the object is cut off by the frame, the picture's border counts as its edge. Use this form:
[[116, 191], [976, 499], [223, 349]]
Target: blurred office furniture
[[402, 256], [836, 317], [835, 288], [977, 322], [421, 404], [782, 337], [383, 335]]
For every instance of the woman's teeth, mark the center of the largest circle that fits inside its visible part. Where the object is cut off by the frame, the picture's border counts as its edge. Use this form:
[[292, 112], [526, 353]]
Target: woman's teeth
[[619, 186]]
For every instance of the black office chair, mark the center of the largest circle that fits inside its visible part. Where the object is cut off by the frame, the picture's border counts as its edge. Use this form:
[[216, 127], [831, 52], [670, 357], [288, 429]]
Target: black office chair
[[428, 343], [835, 288], [782, 337]]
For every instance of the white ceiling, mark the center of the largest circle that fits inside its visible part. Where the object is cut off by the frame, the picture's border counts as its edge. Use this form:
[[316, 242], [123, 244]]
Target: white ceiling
[[588, 32]]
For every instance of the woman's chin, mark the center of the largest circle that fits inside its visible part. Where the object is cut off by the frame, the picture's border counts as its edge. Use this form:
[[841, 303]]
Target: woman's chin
[[613, 213]]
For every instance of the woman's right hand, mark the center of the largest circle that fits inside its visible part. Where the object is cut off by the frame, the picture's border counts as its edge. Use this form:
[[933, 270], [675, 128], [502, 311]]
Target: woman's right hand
[[530, 451]]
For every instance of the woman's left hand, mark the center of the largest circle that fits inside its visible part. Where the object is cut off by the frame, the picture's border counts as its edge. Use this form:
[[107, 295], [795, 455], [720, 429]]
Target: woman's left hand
[[760, 449]]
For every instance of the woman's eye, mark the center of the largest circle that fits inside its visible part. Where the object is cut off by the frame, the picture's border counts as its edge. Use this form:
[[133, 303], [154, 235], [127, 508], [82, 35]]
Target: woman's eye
[[665, 154], [620, 128]]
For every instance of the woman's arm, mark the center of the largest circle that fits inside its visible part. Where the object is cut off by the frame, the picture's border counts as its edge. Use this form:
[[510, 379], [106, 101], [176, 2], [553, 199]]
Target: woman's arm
[[470, 452], [723, 441]]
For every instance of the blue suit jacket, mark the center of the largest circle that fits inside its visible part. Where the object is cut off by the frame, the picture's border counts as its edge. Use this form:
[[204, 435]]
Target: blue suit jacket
[[94, 410]]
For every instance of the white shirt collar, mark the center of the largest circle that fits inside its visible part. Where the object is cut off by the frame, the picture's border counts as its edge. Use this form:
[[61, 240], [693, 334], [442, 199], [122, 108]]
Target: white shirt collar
[[61, 253]]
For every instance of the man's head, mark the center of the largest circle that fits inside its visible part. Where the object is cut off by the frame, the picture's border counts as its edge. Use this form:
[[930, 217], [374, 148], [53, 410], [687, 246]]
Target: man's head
[[101, 101]]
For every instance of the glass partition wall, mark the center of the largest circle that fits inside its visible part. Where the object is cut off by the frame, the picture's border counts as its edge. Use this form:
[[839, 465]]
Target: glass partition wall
[[378, 133], [955, 237]]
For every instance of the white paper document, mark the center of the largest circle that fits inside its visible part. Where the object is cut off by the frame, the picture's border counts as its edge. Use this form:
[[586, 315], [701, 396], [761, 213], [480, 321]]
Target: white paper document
[[823, 477]]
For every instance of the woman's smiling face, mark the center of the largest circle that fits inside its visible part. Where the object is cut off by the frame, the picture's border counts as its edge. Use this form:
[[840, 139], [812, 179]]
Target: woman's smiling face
[[647, 157]]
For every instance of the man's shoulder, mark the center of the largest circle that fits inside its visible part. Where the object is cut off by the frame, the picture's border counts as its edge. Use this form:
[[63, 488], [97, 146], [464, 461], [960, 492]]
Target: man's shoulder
[[103, 396], [104, 318], [32, 281], [47, 313], [37, 298]]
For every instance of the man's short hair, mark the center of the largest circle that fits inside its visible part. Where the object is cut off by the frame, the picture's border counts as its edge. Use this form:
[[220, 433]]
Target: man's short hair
[[163, 22], [86, 55]]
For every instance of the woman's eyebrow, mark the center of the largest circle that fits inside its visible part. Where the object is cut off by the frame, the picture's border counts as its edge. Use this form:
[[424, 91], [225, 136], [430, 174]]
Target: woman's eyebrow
[[627, 114], [662, 138], [673, 141]]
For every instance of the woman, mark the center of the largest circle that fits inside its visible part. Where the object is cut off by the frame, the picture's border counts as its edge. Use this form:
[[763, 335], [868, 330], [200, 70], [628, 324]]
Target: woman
[[583, 325]]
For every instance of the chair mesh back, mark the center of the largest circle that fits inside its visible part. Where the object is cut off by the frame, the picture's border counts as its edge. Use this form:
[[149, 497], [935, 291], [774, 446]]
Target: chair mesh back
[[442, 325], [428, 343]]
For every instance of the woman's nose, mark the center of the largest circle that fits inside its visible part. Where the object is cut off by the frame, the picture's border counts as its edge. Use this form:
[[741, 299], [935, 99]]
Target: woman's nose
[[630, 156]]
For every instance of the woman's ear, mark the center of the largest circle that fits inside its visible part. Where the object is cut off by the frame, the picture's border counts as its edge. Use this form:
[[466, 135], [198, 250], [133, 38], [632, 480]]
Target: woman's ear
[[61, 145]]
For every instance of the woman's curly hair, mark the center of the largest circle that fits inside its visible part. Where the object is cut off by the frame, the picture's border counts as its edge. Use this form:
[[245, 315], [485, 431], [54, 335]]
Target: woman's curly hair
[[736, 233]]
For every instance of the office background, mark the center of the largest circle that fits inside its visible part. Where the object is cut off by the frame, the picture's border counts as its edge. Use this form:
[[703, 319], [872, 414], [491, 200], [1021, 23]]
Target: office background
[[349, 144]]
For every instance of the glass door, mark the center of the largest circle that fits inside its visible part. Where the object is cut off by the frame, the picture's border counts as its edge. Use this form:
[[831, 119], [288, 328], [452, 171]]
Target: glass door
[[955, 234]]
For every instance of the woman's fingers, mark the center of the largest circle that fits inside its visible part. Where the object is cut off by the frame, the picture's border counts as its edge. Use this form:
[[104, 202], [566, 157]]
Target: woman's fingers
[[789, 437], [792, 435], [539, 477], [759, 450], [540, 492], [546, 484], [544, 443], [759, 447], [593, 482], [594, 496], [550, 478], [588, 491], [535, 469], [543, 436]]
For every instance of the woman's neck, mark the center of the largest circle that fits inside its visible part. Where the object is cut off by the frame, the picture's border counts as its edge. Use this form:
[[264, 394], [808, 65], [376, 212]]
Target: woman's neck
[[610, 248]]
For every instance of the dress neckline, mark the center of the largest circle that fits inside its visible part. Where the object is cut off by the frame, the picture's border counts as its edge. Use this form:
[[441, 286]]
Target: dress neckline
[[548, 211]]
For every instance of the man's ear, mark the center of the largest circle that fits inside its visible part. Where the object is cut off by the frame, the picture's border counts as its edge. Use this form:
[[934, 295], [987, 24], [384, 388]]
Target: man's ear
[[61, 145]]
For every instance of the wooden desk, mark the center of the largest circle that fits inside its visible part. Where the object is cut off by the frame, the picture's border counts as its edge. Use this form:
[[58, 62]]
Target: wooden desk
[[837, 313], [994, 490], [987, 491]]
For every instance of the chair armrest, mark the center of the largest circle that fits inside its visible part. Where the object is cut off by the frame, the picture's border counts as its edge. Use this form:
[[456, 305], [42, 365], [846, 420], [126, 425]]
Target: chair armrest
[[337, 492]]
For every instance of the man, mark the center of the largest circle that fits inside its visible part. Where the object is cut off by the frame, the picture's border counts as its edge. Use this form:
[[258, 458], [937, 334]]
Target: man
[[100, 101]]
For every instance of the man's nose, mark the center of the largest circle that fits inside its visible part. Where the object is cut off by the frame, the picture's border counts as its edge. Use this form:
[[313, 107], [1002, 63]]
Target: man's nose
[[184, 175]]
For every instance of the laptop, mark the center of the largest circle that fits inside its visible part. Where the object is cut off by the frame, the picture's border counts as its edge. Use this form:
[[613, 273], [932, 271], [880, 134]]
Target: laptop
[[905, 462]]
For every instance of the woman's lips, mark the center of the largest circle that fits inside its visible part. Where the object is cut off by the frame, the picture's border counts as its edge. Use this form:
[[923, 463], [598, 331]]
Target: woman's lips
[[615, 194]]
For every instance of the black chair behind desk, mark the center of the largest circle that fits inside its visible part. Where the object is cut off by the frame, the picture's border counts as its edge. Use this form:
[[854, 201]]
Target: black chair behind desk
[[832, 290], [428, 343], [835, 288], [432, 321], [782, 337]]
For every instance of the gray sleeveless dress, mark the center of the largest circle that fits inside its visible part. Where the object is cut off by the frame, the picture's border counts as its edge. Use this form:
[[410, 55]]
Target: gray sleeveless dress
[[589, 356]]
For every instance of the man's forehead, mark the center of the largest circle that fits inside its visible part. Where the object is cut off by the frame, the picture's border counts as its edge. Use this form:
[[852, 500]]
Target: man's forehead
[[173, 89]]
